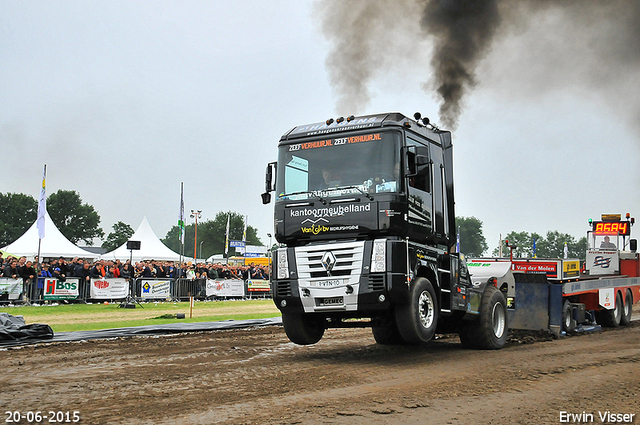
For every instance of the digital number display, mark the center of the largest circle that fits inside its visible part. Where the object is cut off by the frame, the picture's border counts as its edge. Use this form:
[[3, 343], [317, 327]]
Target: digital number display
[[622, 228]]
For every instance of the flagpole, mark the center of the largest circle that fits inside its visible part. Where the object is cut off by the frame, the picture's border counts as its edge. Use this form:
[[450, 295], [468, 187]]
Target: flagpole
[[42, 211]]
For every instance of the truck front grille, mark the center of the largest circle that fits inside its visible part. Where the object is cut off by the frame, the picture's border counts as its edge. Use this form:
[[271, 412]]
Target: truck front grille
[[283, 289], [348, 262], [376, 282]]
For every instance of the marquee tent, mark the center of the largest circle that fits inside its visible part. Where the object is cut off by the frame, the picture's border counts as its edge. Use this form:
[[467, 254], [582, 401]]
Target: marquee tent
[[54, 244], [151, 248]]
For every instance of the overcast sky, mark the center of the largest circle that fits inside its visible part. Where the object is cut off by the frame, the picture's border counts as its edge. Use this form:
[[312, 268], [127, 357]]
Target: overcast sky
[[123, 100]]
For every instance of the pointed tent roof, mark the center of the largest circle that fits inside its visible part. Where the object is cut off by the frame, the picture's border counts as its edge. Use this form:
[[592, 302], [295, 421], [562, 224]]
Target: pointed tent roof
[[151, 248], [54, 244]]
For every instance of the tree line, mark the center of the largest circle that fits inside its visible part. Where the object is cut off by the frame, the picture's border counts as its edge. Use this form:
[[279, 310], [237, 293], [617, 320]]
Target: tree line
[[80, 222], [474, 244]]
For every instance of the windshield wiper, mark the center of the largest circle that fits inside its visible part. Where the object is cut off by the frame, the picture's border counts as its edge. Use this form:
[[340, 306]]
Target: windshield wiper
[[307, 192], [369, 197]]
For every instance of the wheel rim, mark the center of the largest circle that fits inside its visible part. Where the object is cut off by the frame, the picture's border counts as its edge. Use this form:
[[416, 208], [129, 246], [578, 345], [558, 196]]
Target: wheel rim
[[425, 308], [567, 320], [498, 320]]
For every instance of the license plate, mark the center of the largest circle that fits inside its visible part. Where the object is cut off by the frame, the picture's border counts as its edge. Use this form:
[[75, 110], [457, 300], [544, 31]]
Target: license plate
[[333, 301], [328, 283]]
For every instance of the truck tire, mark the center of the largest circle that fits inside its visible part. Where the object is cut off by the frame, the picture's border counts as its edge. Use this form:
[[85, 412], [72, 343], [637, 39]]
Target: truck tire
[[627, 311], [417, 320], [302, 329], [489, 331], [568, 322], [386, 333], [611, 318]]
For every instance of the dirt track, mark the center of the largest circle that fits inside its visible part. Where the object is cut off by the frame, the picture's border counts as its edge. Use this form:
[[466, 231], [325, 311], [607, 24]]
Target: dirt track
[[257, 376]]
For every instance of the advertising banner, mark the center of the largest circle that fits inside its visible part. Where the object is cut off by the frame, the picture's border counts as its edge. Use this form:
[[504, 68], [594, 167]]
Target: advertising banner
[[67, 289], [225, 288], [550, 268], [255, 285], [155, 289], [108, 289], [10, 289], [602, 261]]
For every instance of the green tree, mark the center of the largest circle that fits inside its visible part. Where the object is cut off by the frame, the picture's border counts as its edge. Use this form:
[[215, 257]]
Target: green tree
[[75, 220], [472, 241], [521, 243], [553, 246], [119, 236], [17, 213], [211, 233]]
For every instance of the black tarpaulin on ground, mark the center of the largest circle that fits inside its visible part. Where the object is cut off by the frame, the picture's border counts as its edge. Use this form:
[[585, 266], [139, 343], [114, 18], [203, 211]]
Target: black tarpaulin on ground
[[14, 329], [171, 328]]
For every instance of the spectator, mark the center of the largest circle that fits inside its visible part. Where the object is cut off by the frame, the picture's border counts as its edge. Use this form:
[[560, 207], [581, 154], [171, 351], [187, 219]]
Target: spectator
[[11, 270], [44, 273]]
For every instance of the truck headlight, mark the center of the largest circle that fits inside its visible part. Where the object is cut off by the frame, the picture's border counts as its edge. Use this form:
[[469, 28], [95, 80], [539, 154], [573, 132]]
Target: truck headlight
[[283, 263], [379, 256]]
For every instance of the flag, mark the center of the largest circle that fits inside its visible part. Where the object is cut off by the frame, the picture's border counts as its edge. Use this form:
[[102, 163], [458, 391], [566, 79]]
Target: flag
[[42, 205], [244, 232], [534, 248], [181, 216], [566, 251], [226, 241]]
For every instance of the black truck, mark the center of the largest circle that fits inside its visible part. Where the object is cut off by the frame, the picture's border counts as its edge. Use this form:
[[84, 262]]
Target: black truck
[[364, 214]]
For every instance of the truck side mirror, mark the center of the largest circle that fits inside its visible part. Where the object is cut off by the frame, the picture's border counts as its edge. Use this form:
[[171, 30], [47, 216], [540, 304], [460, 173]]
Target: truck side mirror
[[411, 162], [417, 159], [269, 182]]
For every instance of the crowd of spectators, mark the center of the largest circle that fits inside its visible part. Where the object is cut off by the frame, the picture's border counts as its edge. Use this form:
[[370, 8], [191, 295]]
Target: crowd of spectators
[[60, 268]]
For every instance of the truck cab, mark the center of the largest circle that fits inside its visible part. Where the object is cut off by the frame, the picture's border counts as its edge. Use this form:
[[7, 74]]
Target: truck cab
[[364, 209]]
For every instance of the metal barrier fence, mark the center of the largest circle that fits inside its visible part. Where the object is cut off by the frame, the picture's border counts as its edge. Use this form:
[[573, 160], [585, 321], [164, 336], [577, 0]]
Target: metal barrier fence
[[114, 289]]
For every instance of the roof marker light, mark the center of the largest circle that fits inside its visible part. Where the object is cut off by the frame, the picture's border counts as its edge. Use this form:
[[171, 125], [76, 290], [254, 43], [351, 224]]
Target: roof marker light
[[329, 121]]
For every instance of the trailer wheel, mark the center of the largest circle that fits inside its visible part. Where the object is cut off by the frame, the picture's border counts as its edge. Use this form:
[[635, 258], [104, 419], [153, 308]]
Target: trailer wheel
[[627, 311], [611, 318], [418, 319], [568, 322], [489, 331], [302, 329], [386, 333]]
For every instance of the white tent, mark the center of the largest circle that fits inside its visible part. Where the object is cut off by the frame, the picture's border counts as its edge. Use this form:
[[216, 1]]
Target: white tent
[[151, 248], [54, 244]]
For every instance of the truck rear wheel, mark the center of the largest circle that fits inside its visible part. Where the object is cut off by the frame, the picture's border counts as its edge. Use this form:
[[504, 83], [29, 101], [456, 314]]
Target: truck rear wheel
[[611, 318], [302, 329], [489, 331], [418, 319], [386, 333], [627, 311], [568, 322]]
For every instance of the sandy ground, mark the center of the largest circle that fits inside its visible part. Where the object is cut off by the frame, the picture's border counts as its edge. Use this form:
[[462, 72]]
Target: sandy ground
[[256, 376]]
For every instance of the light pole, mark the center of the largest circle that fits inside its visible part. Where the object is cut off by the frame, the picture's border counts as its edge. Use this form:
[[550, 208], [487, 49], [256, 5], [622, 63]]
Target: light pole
[[195, 214]]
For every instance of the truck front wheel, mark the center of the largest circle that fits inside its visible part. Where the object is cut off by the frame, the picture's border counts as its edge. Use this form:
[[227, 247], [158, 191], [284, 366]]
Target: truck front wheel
[[489, 331], [302, 329], [386, 332], [418, 319]]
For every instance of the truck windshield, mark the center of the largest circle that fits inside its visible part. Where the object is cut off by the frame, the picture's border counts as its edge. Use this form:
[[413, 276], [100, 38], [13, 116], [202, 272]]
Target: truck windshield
[[364, 163]]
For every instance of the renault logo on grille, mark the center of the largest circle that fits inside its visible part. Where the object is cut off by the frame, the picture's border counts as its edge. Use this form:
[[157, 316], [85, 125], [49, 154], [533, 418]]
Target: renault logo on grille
[[328, 261]]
